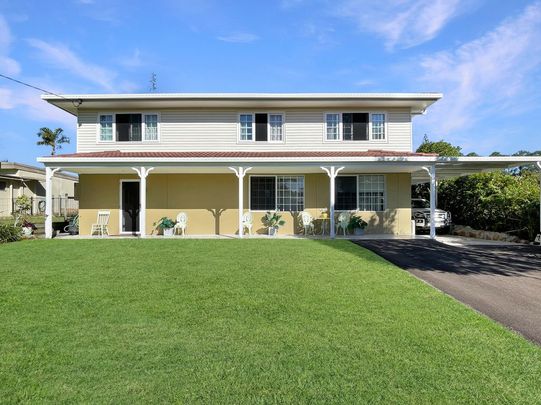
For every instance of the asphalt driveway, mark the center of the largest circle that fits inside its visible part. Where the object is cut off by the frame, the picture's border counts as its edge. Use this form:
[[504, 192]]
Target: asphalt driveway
[[503, 282]]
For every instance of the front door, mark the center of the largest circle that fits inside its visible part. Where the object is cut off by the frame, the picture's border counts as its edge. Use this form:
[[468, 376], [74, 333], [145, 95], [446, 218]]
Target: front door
[[130, 206]]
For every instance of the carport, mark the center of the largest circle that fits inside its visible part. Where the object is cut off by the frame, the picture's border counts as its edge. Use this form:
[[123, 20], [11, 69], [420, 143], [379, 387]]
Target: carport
[[450, 167]]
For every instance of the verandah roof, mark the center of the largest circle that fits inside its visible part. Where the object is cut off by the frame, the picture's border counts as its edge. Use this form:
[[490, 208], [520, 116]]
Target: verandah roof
[[307, 161]]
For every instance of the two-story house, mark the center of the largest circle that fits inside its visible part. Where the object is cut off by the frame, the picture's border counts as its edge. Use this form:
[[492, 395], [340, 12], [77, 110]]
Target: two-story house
[[215, 156]]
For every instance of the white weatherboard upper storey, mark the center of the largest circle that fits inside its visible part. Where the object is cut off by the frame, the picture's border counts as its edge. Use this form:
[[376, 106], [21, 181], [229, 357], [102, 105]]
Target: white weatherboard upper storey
[[217, 130], [210, 121]]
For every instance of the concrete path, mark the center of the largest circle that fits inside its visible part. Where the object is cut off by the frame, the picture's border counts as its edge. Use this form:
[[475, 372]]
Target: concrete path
[[501, 281]]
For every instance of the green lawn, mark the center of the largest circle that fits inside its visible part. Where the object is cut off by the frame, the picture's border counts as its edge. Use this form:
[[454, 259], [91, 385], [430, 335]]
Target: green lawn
[[253, 321]]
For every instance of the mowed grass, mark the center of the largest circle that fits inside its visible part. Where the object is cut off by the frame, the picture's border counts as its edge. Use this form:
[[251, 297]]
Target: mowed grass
[[252, 321]]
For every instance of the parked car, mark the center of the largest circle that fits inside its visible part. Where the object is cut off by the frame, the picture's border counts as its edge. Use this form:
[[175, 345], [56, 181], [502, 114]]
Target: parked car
[[420, 212]]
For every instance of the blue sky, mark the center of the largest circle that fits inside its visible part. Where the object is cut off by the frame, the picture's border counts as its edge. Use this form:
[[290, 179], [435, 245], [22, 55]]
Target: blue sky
[[485, 56]]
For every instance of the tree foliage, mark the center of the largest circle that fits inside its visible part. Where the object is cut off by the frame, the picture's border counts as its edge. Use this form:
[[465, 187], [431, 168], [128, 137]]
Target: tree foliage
[[499, 201], [505, 201], [442, 148], [51, 138]]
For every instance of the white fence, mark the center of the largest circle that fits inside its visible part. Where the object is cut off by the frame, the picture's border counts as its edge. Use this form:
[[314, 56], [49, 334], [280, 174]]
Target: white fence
[[62, 206]]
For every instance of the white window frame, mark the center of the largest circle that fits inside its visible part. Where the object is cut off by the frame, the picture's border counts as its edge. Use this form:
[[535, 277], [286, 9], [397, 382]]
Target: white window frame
[[357, 208], [385, 133], [275, 190], [283, 127], [239, 140], [143, 127], [325, 138], [99, 140], [341, 126], [253, 113]]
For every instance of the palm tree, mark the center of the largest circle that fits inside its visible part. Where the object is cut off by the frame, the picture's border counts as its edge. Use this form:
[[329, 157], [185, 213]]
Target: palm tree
[[51, 138]]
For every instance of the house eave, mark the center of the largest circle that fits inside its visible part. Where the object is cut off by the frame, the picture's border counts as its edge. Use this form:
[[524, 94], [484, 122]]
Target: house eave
[[73, 103]]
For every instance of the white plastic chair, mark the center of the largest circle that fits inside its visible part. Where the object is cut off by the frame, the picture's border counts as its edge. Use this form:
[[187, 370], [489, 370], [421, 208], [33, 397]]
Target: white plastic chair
[[182, 223], [247, 222], [307, 221], [101, 226], [342, 222]]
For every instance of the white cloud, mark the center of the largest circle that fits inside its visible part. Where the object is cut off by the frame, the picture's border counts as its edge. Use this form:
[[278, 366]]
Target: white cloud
[[239, 37], [365, 83], [8, 66], [323, 35], [489, 75], [403, 23], [132, 61], [32, 107], [6, 99], [61, 57]]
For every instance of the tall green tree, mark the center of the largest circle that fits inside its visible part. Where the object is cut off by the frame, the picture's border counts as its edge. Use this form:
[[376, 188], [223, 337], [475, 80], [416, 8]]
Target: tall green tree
[[441, 147], [51, 138]]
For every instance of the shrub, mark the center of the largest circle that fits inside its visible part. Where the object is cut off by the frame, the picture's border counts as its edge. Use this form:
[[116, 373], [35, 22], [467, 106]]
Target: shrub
[[499, 202], [9, 233]]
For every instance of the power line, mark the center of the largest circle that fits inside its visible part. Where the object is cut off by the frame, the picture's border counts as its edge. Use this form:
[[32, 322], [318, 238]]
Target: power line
[[76, 103], [32, 86]]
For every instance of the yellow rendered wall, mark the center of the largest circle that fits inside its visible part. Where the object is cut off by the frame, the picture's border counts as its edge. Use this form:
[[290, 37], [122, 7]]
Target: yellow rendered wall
[[210, 200]]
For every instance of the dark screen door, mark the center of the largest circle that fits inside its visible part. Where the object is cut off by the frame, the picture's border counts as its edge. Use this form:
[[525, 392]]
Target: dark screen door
[[130, 206]]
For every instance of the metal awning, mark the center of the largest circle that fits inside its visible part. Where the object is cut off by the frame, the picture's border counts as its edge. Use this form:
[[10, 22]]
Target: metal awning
[[450, 167]]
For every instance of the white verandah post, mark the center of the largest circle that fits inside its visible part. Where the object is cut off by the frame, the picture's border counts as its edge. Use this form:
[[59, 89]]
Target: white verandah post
[[431, 170], [143, 173], [332, 172], [49, 173], [240, 172]]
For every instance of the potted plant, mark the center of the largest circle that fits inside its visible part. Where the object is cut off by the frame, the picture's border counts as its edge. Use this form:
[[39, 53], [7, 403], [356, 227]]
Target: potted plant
[[28, 228], [166, 225], [324, 213], [357, 225], [22, 205], [273, 221]]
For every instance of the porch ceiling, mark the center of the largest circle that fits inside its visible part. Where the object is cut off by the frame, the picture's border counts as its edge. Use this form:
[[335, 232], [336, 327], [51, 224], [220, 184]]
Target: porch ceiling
[[446, 167], [256, 168]]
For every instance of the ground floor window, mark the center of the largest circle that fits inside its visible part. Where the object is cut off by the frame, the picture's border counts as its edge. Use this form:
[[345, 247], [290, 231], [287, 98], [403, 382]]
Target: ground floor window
[[277, 193], [364, 192]]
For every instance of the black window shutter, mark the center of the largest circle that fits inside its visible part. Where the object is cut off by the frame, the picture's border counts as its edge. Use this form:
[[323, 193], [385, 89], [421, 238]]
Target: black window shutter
[[261, 127], [360, 126]]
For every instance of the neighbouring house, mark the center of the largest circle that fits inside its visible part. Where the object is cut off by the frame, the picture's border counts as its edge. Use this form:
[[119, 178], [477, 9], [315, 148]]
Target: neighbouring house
[[18, 179], [215, 156]]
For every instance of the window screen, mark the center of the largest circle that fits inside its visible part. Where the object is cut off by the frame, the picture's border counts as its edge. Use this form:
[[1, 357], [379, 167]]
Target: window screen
[[346, 193], [128, 127], [262, 193], [372, 192], [290, 193]]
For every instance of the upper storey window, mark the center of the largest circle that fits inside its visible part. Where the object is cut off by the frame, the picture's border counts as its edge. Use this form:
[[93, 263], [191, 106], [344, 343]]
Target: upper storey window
[[378, 126], [246, 127], [132, 127], [355, 126], [261, 127], [106, 127], [333, 127]]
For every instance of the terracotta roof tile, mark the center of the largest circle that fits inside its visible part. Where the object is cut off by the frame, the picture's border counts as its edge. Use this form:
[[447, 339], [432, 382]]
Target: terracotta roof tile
[[243, 154]]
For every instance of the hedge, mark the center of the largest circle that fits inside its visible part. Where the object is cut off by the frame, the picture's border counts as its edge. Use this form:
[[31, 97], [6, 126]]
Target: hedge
[[499, 202]]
